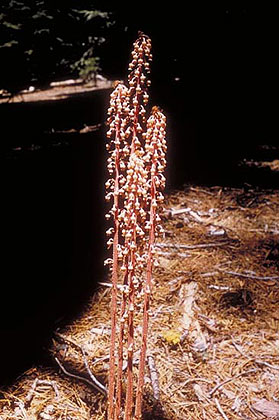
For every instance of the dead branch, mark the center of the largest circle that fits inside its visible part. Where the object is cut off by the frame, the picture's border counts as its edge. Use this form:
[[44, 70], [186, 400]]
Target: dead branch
[[172, 254], [197, 246], [94, 381], [30, 394], [36, 383], [249, 276], [188, 210], [220, 409], [101, 389], [216, 287], [209, 274], [72, 375], [105, 284], [221, 384], [175, 212], [68, 340], [154, 377], [195, 215], [252, 359]]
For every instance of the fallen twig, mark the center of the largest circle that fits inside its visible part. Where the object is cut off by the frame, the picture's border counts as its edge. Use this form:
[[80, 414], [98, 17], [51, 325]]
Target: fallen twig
[[188, 210], [209, 274], [252, 359], [197, 246], [94, 381], [195, 215], [101, 388], [172, 254], [221, 384], [216, 287], [37, 382], [68, 340], [30, 394], [220, 409], [72, 375], [175, 212], [154, 377], [249, 276], [106, 284]]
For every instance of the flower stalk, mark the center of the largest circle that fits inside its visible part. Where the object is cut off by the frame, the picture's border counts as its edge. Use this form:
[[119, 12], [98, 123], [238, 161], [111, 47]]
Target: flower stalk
[[155, 146], [116, 121], [137, 159]]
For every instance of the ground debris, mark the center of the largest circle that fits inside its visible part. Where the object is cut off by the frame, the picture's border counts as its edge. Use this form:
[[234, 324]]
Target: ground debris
[[213, 343], [269, 409]]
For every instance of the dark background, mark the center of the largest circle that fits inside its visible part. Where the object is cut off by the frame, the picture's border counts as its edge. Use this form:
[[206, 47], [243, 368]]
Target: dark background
[[213, 73], [214, 70], [224, 57]]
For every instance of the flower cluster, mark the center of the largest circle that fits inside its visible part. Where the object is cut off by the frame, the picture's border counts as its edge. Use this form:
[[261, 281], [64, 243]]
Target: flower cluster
[[155, 148], [138, 81], [136, 162], [118, 146]]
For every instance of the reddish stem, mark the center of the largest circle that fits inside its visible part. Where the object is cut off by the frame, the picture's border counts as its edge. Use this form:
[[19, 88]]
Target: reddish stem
[[146, 304], [120, 351], [130, 343], [111, 386]]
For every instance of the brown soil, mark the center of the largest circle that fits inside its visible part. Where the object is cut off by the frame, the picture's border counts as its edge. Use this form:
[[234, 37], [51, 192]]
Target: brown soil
[[214, 325]]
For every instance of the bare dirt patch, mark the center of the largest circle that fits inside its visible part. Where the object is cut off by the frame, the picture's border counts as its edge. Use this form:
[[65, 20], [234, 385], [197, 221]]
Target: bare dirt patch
[[56, 91]]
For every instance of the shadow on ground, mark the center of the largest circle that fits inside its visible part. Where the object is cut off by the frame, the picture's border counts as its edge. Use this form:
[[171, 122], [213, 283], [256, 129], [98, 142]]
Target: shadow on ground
[[52, 217]]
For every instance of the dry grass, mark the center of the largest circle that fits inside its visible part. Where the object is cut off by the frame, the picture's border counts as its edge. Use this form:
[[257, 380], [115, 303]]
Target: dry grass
[[214, 328]]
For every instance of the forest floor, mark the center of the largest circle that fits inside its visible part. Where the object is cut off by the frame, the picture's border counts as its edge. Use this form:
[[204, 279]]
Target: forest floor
[[213, 337], [56, 90]]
